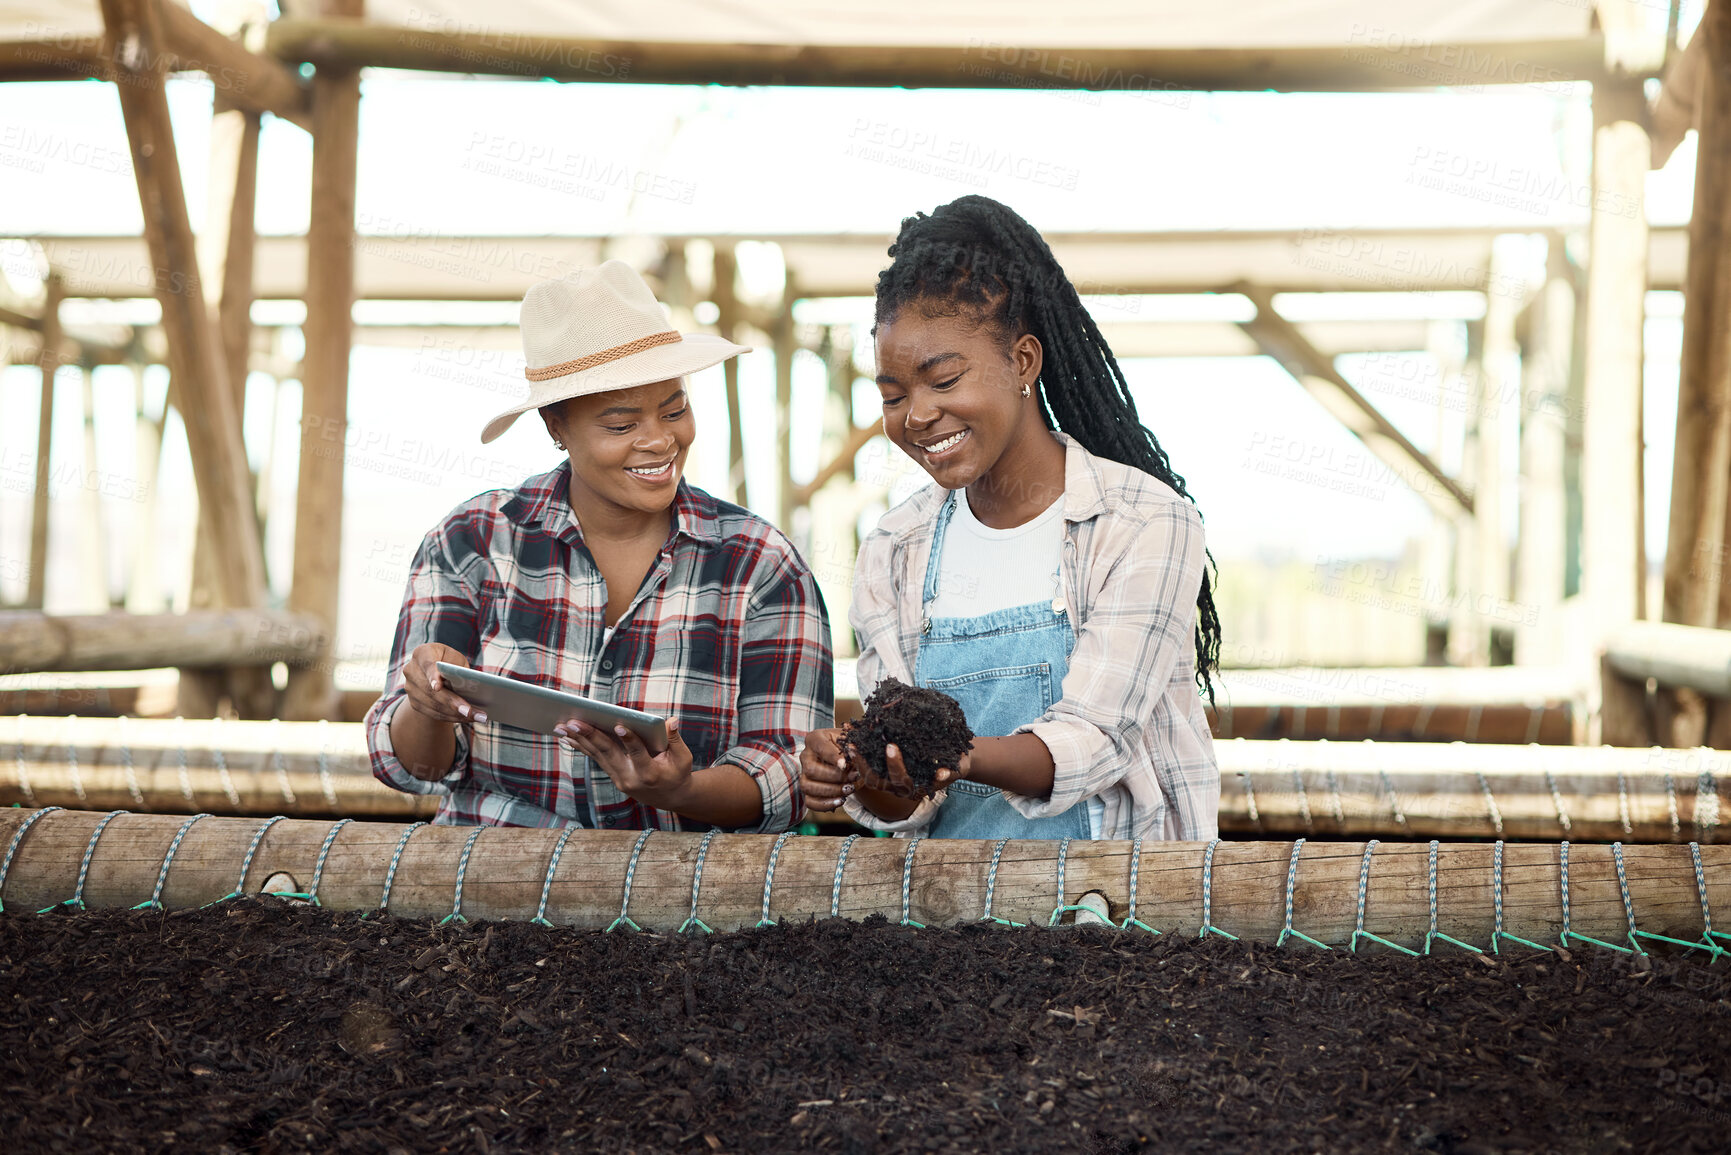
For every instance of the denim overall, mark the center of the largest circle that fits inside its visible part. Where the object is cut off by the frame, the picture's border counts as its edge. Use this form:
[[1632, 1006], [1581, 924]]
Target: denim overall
[[1005, 668]]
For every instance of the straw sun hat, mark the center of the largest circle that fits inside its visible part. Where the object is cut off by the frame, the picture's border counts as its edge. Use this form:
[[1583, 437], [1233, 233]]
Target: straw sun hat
[[598, 331]]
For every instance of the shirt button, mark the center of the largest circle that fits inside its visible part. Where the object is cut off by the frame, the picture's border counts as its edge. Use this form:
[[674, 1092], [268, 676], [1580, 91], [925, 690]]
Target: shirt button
[[608, 664]]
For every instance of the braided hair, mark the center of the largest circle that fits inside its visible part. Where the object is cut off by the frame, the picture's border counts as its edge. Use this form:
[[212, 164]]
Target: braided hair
[[975, 255]]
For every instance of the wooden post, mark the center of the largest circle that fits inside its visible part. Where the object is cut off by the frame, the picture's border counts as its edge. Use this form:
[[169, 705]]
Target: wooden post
[[144, 583], [330, 294], [1614, 558], [1499, 380], [727, 324], [945, 879], [48, 360], [1544, 399], [93, 547], [785, 349], [1469, 635], [201, 387]]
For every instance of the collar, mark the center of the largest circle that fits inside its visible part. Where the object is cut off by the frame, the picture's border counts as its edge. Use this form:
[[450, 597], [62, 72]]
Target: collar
[[543, 502], [1084, 494]]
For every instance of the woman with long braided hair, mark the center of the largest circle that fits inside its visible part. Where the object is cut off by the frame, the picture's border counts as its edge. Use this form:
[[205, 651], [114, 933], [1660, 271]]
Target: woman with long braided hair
[[1053, 580]]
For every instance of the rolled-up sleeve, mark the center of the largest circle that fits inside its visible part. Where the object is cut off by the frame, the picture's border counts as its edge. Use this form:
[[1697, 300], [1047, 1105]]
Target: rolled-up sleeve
[[786, 688], [439, 606], [1139, 628]]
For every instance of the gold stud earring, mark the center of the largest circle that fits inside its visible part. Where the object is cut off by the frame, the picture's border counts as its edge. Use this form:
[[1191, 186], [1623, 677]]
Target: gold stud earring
[[1026, 392]]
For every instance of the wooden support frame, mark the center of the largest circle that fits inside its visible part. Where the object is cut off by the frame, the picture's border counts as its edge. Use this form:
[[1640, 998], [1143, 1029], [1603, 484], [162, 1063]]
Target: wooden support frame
[[785, 348], [185, 43], [325, 369], [727, 309], [1281, 340], [200, 380], [48, 360]]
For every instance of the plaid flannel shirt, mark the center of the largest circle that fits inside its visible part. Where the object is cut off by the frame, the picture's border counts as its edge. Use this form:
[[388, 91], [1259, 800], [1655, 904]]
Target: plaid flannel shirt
[[728, 634], [1130, 727]]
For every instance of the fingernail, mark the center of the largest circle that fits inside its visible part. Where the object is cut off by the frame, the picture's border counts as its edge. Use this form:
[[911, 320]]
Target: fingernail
[[480, 716], [435, 682], [463, 710], [619, 730], [890, 750], [847, 789]]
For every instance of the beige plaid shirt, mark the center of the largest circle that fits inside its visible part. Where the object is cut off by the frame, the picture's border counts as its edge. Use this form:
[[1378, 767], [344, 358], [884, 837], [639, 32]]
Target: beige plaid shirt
[[1130, 727]]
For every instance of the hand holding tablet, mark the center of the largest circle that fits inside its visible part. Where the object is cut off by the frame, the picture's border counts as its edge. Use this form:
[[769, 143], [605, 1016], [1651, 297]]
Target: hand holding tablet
[[536, 708]]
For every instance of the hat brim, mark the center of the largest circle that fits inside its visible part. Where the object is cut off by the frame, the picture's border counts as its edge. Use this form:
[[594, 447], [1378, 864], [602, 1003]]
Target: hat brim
[[692, 353]]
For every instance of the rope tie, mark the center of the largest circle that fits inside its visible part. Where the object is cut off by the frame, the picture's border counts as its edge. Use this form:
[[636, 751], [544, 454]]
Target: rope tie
[[1498, 933], [77, 899], [1394, 801], [1706, 806], [840, 862], [1628, 903], [222, 766], [1557, 801], [154, 902], [24, 828], [1496, 816], [1563, 875], [1623, 804], [23, 772], [330, 840], [696, 887], [540, 918], [391, 873], [630, 874], [72, 762], [1708, 934], [1671, 807], [1208, 926], [992, 886], [1250, 800], [325, 782], [1303, 800], [1291, 881], [1434, 933], [456, 914], [185, 773], [1363, 892], [279, 763], [1335, 802], [246, 863], [908, 881], [763, 918], [126, 758], [1130, 919], [1058, 911]]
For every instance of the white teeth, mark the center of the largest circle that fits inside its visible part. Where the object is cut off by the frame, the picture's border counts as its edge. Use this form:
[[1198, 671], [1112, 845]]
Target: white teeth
[[655, 472], [940, 446]]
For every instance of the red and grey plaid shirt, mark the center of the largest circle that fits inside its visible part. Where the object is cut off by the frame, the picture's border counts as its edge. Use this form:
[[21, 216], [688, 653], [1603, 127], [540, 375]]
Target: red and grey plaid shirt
[[728, 634]]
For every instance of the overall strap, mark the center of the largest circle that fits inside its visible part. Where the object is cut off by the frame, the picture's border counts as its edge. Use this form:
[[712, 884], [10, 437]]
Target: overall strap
[[929, 591]]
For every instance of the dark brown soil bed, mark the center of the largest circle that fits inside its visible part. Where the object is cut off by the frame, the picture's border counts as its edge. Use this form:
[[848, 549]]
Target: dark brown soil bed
[[274, 1027]]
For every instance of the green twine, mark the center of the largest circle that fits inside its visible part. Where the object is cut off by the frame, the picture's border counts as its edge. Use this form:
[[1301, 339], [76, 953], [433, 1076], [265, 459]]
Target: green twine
[[1363, 890]]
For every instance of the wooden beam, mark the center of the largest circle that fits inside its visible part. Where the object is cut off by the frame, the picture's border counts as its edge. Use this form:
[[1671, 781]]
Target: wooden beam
[[200, 381], [244, 80], [35, 642], [325, 367], [1154, 73], [48, 361], [857, 438], [726, 296], [1613, 567], [945, 880], [1281, 340]]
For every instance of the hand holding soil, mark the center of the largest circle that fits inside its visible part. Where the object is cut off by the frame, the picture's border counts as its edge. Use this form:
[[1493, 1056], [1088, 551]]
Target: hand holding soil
[[907, 736]]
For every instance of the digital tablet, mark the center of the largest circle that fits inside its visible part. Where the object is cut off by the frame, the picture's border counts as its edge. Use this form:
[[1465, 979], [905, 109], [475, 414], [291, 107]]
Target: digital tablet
[[531, 707]]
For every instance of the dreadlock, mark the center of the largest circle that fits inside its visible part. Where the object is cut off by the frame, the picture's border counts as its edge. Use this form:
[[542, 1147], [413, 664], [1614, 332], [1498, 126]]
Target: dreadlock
[[978, 256]]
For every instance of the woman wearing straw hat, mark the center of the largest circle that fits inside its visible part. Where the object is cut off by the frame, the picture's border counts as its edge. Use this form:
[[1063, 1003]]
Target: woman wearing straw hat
[[609, 577]]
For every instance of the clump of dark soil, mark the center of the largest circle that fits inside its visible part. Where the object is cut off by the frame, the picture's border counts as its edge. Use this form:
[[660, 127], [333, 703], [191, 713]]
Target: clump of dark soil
[[927, 726], [269, 1026]]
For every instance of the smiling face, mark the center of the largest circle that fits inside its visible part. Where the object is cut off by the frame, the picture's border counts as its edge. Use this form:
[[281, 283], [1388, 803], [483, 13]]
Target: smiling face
[[627, 446], [952, 393]]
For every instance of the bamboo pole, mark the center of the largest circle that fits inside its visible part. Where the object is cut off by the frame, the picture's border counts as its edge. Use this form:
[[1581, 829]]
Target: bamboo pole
[[1541, 550], [48, 360], [785, 349], [200, 385], [330, 299], [93, 543], [507, 868], [726, 296], [1405, 790], [1613, 569]]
